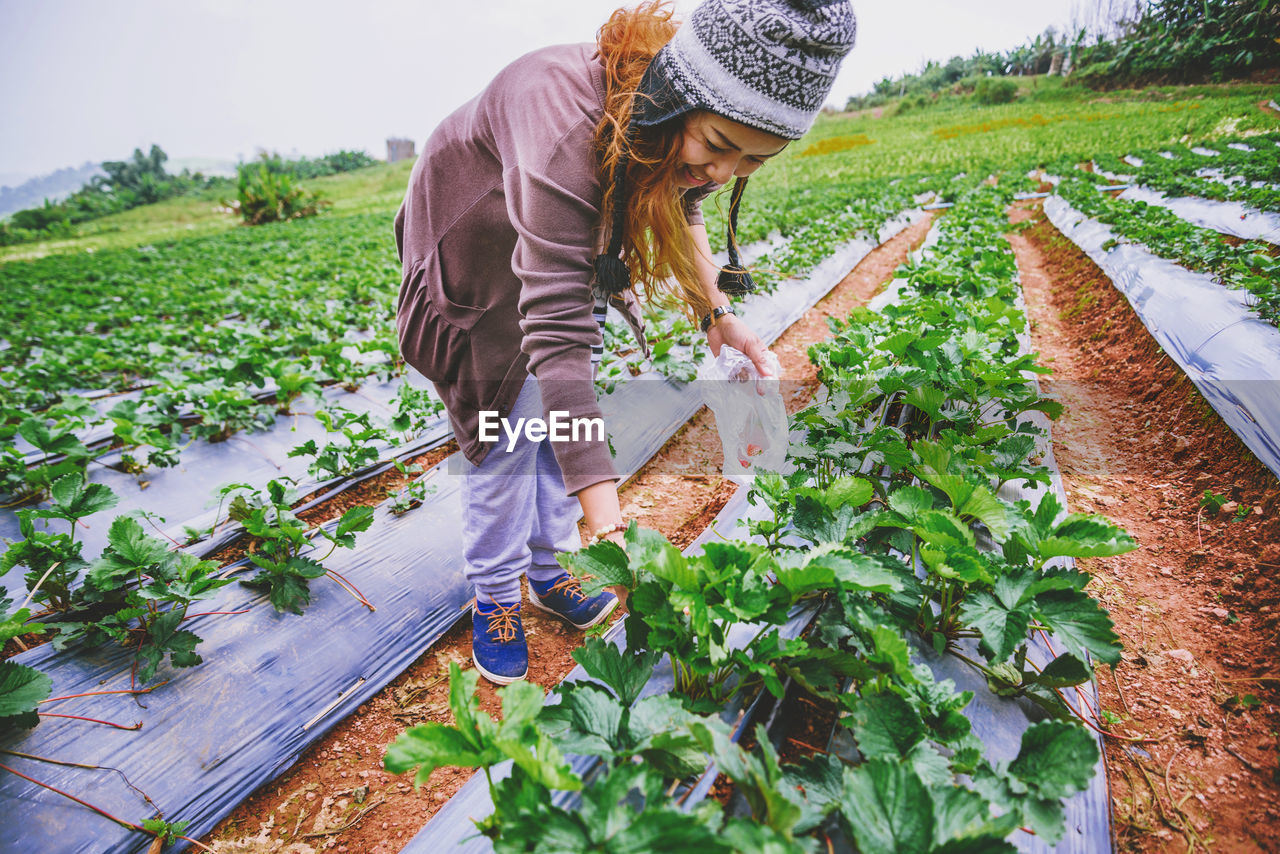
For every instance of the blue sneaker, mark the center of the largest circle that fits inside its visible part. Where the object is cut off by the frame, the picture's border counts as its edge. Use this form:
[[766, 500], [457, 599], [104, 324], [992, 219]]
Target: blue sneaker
[[498, 647], [563, 596]]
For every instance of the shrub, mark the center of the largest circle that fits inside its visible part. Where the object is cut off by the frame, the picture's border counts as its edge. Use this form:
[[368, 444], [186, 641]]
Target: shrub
[[995, 90], [268, 193]]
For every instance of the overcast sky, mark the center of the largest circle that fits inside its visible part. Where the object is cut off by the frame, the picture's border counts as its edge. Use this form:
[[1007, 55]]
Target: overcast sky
[[93, 79]]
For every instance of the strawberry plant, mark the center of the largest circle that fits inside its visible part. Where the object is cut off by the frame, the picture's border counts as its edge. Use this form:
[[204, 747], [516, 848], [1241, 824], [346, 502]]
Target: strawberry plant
[[341, 458], [417, 409], [138, 592], [285, 569], [53, 560]]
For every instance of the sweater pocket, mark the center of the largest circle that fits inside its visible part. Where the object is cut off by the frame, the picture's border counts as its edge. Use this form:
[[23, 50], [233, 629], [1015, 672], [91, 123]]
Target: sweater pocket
[[435, 331]]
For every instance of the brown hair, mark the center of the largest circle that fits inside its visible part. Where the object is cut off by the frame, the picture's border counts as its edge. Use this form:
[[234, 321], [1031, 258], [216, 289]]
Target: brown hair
[[655, 238]]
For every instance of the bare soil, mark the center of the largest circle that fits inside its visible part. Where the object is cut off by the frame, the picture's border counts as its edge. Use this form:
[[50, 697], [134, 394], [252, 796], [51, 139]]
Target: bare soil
[[337, 797], [1195, 704]]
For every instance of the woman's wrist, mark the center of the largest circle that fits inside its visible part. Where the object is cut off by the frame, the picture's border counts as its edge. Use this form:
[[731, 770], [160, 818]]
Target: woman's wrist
[[713, 317], [607, 532]]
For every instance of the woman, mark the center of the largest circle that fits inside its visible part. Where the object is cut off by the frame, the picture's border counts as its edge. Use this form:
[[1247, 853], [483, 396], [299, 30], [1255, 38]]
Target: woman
[[569, 151]]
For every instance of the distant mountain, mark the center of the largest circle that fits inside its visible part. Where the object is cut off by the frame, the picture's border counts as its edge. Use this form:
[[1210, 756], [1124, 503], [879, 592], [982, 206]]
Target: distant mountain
[[55, 186]]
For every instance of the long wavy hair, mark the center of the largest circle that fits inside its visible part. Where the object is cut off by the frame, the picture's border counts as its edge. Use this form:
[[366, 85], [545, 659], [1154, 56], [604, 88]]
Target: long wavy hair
[[656, 246]]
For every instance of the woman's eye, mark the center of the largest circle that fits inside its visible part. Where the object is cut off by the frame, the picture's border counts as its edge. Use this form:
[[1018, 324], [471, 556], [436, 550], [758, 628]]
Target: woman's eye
[[714, 148]]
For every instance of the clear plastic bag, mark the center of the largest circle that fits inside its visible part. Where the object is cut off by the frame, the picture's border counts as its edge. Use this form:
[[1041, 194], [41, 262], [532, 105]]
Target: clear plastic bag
[[749, 413]]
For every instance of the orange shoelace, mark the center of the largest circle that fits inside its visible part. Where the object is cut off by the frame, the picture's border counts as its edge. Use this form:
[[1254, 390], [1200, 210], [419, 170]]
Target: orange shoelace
[[569, 586], [502, 622]]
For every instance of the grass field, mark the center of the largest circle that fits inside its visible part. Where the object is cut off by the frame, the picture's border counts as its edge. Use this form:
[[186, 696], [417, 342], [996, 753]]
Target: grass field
[[952, 134]]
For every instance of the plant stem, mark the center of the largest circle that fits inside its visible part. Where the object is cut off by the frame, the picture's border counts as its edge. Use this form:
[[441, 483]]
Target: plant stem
[[123, 776], [30, 595], [213, 613], [136, 726], [104, 693], [123, 823], [350, 588]]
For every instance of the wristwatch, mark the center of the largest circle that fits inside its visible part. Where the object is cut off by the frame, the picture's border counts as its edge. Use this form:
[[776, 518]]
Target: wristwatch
[[709, 320]]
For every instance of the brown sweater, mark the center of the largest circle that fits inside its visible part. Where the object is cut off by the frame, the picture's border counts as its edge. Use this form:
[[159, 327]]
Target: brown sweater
[[496, 236]]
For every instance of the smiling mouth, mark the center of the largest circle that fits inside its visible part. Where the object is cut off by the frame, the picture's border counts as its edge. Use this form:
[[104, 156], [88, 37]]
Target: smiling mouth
[[695, 179]]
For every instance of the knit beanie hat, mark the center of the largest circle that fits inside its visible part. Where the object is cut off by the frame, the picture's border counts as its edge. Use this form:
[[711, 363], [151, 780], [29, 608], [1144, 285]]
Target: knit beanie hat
[[768, 64]]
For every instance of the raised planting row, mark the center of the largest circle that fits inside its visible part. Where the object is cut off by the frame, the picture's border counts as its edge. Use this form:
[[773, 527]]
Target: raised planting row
[[928, 553], [416, 583], [1248, 266], [1243, 170], [1211, 333], [203, 347]]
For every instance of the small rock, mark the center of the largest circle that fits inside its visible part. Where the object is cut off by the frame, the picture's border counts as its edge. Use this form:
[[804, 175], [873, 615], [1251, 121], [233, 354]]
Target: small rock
[[440, 797], [311, 796], [342, 773], [364, 775], [1220, 613], [1166, 570], [1230, 508], [1179, 655]]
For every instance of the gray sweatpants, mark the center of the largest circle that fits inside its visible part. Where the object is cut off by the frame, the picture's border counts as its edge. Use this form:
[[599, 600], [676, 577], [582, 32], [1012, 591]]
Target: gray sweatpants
[[515, 515]]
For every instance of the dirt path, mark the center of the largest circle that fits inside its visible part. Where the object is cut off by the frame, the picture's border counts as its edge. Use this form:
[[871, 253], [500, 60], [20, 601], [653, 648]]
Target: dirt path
[[1197, 606], [339, 781]]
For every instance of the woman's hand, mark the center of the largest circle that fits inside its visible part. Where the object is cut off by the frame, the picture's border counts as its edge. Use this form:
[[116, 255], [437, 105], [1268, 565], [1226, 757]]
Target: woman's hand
[[733, 331]]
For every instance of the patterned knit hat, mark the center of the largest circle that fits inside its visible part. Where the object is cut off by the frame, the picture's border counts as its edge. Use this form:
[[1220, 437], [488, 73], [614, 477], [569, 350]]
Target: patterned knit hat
[[769, 64]]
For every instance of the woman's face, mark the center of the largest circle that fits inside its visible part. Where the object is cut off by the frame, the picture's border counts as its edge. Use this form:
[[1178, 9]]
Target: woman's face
[[715, 149]]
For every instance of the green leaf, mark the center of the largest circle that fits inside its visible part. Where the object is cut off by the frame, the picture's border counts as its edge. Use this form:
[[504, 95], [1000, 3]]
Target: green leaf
[[1056, 759], [910, 501], [1086, 536], [888, 808], [1063, 672], [598, 566], [981, 504], [286, 583], [942, 528], [853, 569], [521, 703], [884, 724], [928, 399], [73, 499], [805, 577], [427, 747], [15, 624], [1080, 623], [626, 673], [820, 781], [849, 492], [1003, 629], [56, 441], [129, 551], [890, 650], [22, 688], [355, 520]]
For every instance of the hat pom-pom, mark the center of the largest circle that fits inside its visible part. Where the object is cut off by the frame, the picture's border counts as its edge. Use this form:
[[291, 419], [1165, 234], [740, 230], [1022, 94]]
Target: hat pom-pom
[[612, 274], [735, 281]]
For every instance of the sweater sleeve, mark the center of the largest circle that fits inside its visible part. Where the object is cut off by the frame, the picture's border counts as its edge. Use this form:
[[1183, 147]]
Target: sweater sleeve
[[544, 139]]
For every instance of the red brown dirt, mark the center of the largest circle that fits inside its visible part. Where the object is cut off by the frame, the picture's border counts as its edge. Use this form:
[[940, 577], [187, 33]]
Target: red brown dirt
[[1197, 605], [337, 797]]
